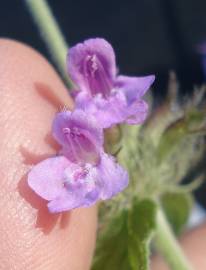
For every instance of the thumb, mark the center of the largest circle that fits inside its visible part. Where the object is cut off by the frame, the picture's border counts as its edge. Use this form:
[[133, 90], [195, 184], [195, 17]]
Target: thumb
[[30, 237]]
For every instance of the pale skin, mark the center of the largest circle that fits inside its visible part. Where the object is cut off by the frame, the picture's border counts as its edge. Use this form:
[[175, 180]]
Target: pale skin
[[31, 93], [25, 121]]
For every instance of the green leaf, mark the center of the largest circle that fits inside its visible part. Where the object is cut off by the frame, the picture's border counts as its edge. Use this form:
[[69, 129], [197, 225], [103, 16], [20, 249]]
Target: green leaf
[[111, 250], [124, 244], [175, 133], [171, 137], [141, 223], [177, 207]]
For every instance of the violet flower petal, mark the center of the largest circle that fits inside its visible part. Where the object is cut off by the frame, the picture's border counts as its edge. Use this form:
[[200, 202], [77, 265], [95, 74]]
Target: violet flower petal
[[46, 178], [114, 110], [67, 185], [99, 182], [137, 112], [113, 177], [91, 66], [72, 200], [107, 112], [79, 135], [81, 189], [111, 99], [65, 203], [134, 87]]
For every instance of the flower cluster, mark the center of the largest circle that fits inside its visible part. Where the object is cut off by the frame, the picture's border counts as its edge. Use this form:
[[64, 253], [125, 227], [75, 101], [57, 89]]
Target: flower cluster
[[82, 172]]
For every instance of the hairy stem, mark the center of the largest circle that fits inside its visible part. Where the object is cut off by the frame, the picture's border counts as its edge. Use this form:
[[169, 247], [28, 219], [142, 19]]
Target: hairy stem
[[168, 246], [51, 34]]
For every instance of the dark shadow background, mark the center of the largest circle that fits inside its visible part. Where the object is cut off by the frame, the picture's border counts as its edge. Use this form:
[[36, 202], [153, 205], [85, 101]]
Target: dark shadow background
[[149, 36]]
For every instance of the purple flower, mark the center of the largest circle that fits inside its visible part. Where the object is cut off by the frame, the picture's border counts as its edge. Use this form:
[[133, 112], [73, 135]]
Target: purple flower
[[112, 99], [83, 173], [79, 136]]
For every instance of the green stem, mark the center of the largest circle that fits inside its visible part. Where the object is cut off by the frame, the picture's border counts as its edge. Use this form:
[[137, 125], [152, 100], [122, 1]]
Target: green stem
[[168, 246], [50, 33]]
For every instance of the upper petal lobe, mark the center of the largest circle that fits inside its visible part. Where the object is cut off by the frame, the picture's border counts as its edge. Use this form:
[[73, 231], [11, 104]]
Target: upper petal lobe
[[79, 135], [91, 66], [134, 87]]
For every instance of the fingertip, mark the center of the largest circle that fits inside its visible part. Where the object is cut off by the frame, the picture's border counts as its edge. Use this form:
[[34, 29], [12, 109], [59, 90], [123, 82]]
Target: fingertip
[[31, 94]]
